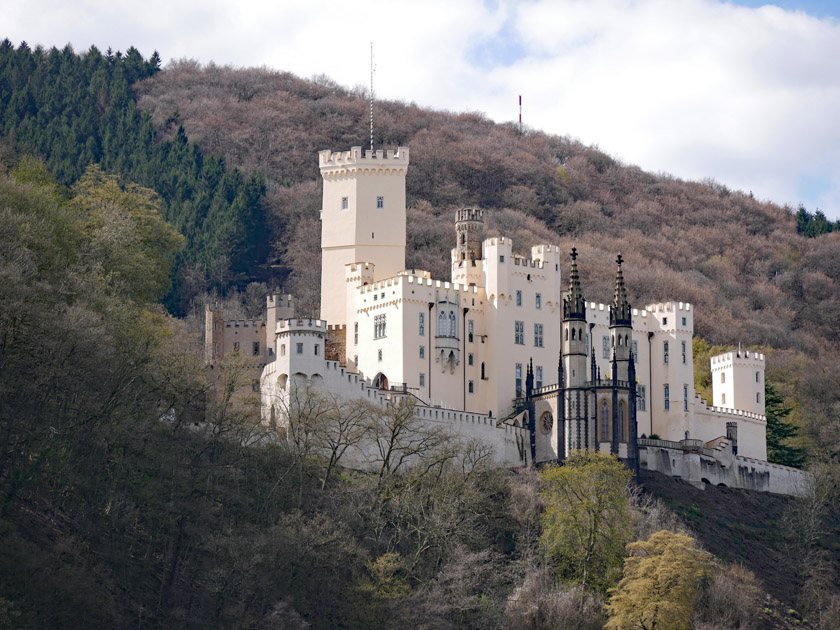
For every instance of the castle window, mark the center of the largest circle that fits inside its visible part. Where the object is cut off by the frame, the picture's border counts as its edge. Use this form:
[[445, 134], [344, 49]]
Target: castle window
[[470, 358], [282, 349], [471, 328], [605, 354], [635, 350], [519, 333], [300, 348], [356, 334], [538, 335], [452, 324], [683, 351], [379, 326], [518, 372], [757, 397], [256, 349], [664, 321], [757, 376], [422, 324], [471, 387], [236, 346], [519, 298], [667, 398], [380, 203], [441, 324], [685, 397], [270, 352], [422, 380], [317, 349], [683, 321], [501, 258], [574, 332], [723, 377], [604, 422], [345, 203], [723, 399], [539, 301], [483, 374], [538, 380], [422, 352], [665, 351], [379, 355], [641, 398]]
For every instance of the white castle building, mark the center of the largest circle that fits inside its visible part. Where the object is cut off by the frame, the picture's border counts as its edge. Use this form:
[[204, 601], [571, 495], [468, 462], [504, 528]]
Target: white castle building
[[500, 352]]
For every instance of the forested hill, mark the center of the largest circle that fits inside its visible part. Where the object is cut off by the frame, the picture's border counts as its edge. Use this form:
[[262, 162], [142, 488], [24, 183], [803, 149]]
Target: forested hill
[[74, 110], [751, 275], [233, 153]]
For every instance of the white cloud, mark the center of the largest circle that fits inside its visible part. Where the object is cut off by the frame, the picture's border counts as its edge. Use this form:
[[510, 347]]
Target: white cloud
[[698, 88]]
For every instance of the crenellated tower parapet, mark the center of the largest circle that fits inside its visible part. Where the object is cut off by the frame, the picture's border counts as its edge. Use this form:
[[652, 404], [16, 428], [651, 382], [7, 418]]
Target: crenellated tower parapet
[[357, 160]]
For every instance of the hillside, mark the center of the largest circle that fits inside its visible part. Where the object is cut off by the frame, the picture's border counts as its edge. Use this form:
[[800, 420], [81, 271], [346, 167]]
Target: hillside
[[752, 277]]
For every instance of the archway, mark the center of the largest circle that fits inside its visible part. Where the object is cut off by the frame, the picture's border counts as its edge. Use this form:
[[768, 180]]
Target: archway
[[380, 381]]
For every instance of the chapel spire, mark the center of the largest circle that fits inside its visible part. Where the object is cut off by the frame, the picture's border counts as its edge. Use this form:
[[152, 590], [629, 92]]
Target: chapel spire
[[620, 308], [574, 305]]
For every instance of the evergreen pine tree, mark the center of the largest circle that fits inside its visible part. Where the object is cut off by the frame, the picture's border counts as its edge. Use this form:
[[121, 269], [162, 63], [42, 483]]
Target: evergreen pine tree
[[779, 431]]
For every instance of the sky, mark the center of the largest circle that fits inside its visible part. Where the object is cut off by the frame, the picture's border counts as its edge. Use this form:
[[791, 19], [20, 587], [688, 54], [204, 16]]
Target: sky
[[746, 93]]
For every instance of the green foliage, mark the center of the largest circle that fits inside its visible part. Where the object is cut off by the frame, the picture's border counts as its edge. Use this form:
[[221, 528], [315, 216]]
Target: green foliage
[[586, 523], [76, 110], [814, 224], [779, 431], [661, 583]]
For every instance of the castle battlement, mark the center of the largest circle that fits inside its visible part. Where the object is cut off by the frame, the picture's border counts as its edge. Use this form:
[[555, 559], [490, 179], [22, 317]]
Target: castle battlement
[[668, 307], [469, 214], [244, 323], [521, 261], [728, 411], [300, 324], [356, 157], [738, 356]]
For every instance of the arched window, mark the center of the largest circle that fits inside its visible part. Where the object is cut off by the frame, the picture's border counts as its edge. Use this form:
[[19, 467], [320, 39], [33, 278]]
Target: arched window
[[622, 417], [573, 334], [451, 324], [567, 334], [482, 370], [605, 422], [442, 325]]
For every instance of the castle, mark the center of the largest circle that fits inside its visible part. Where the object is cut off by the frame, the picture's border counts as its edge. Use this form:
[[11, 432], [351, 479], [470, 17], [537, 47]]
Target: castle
[[500, 352]]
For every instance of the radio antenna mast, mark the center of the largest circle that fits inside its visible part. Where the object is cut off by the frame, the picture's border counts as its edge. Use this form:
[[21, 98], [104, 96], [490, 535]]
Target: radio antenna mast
[[371, 96]]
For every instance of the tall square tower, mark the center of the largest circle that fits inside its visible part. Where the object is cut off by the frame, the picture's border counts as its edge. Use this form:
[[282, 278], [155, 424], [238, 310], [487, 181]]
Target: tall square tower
[[362, 220]]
